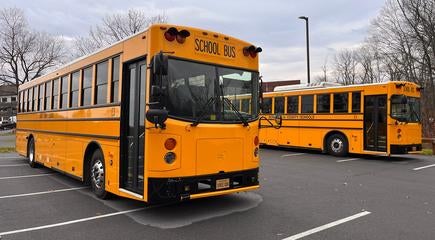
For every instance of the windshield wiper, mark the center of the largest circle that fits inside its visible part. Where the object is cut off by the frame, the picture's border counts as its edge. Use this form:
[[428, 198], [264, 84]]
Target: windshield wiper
[[245, 123], [204, 111]]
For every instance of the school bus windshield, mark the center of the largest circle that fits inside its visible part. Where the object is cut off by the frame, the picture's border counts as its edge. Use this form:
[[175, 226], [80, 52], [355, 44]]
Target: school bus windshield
[[405, 109], [202, 92]]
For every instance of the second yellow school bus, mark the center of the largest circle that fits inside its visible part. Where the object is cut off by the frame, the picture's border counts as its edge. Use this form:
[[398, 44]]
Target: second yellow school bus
[[148, 118], [380, 118]]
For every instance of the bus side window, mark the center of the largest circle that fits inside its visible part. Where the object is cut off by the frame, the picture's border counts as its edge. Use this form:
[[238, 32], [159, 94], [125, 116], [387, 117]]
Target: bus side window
[[356, 102], [292, 104], [279, 105], [101, 83], [55, 101], [245, 105], [323, 103], [87, 86], [267, 105], [30, 100], [340, 102], [307, 104], [115, 79], [74, 94], [47, 104], [41, 97]]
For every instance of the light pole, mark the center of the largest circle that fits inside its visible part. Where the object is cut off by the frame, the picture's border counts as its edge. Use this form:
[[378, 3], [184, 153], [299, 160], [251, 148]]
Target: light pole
[[308, 46]]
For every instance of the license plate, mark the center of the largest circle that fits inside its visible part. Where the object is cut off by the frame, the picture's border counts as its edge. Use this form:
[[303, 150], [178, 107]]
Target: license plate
[[222, 183]]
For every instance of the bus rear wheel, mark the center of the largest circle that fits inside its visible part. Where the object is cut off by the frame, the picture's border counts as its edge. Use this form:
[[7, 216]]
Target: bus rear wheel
[[98, 175], [31, 153], [337, 145]]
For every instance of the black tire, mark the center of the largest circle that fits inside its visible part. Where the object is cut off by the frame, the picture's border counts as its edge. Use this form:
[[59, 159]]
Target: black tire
[[337, 145], [97, 175], [31, 153]]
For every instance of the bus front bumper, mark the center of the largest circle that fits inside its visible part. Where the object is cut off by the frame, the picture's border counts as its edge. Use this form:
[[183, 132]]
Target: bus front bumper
[[162, 190], [403, 149]]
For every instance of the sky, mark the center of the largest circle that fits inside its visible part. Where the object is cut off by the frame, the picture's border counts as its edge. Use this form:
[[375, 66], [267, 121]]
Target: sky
[[271, 24]]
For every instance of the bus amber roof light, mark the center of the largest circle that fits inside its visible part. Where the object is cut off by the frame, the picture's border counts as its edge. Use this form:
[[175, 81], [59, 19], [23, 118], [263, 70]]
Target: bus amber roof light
[[170, 144], [171, 34]]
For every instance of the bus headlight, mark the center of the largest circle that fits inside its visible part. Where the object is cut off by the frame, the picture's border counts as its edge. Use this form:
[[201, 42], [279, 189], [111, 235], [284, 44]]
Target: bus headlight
[[169, 157]]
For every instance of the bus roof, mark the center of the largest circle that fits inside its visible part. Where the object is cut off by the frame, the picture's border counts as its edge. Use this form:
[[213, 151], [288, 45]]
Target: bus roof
[[337, 86]]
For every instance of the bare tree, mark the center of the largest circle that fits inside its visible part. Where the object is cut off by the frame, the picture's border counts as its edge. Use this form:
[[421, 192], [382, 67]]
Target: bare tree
[[24, 53], [324, 75], [115, 27], [405, 32], [346, 67]]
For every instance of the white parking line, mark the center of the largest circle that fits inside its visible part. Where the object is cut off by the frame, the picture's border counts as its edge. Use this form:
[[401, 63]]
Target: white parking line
[[70, 222], [12, 165], [326, 226], [27, 176], [348, 160], [428, 166], [40, 193], [293, 154]]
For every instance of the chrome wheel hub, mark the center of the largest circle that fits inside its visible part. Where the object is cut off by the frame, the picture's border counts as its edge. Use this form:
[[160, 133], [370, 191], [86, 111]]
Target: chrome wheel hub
[[97, 174], [337, 145]]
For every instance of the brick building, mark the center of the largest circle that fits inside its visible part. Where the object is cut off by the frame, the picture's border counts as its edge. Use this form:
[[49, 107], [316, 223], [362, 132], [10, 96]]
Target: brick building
[[269, 86]]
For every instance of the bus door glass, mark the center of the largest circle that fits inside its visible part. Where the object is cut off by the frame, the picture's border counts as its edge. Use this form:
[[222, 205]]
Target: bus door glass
[[133, 127], [375, 123]]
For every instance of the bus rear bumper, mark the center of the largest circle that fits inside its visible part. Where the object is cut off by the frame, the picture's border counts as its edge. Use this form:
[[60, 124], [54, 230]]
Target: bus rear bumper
[[403, 149], [161, 190]]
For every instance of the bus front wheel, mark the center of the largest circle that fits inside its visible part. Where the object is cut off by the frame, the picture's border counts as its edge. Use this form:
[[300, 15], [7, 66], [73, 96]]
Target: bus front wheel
[[337, 145], [97, 175], [31, 153]]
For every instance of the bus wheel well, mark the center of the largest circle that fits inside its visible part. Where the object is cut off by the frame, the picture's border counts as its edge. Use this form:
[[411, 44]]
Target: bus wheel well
[[90, 149], [28, 141], [325, 139]]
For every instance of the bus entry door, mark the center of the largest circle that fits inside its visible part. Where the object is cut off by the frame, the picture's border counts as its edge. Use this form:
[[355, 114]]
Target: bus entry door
[[133, 127], [375, 123]]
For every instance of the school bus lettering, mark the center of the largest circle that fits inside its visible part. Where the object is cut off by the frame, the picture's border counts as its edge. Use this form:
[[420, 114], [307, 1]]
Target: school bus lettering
[[211, 47]]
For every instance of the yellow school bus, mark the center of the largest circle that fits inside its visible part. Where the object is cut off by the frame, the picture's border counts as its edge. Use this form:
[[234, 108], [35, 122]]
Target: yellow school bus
[[380, 118], [148, 118]]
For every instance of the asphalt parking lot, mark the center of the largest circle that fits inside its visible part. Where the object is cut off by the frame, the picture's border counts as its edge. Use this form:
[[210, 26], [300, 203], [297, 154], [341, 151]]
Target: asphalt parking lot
[[303, 195]]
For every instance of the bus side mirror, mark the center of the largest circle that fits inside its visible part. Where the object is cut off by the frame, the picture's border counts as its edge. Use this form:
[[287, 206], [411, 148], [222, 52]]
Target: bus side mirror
[[160, 64], [157, 116]]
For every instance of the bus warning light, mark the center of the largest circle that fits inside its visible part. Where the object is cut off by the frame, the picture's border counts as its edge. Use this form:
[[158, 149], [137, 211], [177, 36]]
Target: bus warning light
[[251, 50], [170, 144]]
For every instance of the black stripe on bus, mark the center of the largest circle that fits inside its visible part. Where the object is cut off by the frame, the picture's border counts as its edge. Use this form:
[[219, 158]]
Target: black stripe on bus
[[310, 119], [71, 119], [71, 109], [339, 128], [71, 134]]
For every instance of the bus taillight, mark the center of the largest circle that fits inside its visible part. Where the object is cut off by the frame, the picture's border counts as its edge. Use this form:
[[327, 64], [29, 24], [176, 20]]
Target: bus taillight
[[252, 51], [256, 141]]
